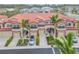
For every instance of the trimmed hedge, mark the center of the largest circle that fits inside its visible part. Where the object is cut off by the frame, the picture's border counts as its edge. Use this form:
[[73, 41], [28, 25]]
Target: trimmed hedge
[[19, 42], [25, 42], [37, 40], [22, 42], [9, 41], [50, 40]]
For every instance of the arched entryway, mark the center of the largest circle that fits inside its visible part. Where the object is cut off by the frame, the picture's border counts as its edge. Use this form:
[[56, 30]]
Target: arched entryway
[[24, 33], [50, 31]]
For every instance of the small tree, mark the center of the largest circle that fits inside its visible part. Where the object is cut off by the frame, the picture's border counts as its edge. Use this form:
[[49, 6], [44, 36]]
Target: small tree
[[9, 41]]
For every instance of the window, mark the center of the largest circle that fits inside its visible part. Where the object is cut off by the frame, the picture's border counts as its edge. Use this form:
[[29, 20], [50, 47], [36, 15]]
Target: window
[[33, 26], [46, 11], [61, 26], [15, 26], [41, 24], [47, 21], [9, 25], [40, 11], [70, 24]]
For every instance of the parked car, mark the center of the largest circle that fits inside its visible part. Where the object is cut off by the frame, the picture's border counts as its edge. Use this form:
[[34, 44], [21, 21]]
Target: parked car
[[75, 40], [32, 40]]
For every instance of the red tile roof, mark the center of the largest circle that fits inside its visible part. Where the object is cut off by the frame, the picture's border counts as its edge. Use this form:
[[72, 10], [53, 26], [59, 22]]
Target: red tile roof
[[36, 17], [11, 21], [3, 16], [71, 28], [5, 29]]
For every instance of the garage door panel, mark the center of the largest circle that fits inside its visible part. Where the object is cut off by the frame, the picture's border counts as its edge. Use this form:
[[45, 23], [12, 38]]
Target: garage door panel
[[17, 34], [5, 34]]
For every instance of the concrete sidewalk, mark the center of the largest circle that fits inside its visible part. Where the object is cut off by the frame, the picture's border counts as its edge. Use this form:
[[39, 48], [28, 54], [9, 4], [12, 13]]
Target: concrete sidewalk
[[23, 47]]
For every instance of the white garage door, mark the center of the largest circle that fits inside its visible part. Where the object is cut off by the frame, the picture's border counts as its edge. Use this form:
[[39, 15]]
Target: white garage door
[[5, 34], [60, 34], [16, 34]]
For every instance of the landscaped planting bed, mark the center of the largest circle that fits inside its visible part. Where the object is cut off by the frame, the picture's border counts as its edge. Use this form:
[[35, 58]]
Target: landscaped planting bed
[[19, 42], [37, 40], [49, 40], [22, 42], [9, 41]]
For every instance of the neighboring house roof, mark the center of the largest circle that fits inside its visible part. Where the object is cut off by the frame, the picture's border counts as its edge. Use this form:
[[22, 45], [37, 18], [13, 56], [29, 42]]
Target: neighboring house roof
[[3, 16], [11, 21], [36, 17]]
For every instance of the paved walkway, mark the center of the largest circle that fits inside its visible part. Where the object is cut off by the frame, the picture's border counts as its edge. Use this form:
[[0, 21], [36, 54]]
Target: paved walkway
[[43, 41], [14, 42]]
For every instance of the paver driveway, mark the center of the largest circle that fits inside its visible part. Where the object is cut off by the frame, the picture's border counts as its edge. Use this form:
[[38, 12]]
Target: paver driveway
[[3, 41], [14, 41], [43, 41]]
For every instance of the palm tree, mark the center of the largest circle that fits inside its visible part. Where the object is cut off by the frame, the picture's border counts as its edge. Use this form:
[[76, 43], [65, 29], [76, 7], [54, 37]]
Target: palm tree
[[24, 25], [54, 20], [64, 44]]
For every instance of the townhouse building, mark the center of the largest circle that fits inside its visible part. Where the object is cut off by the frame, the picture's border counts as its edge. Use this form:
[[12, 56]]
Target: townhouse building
[[38, 22]]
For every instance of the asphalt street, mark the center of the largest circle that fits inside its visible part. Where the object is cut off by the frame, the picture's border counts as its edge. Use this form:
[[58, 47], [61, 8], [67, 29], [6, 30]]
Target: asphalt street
[[27, 51]]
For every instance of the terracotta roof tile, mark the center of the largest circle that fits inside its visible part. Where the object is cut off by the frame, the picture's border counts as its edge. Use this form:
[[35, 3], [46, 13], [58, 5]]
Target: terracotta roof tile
[[3, 16], [5, 29], [35, 17]]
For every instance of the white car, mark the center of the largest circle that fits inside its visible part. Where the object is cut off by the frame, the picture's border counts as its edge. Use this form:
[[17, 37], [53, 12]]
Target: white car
[[32, 40], [75, 40]]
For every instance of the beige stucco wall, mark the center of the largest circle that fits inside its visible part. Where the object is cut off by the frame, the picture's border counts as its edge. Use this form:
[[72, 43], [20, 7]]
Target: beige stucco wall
[[16, 34], [5, 34], [61, 34], [67, 31]]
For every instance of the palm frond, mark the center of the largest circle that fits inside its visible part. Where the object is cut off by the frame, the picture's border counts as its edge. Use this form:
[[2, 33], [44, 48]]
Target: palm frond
[[65, 44], [70, 38]]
